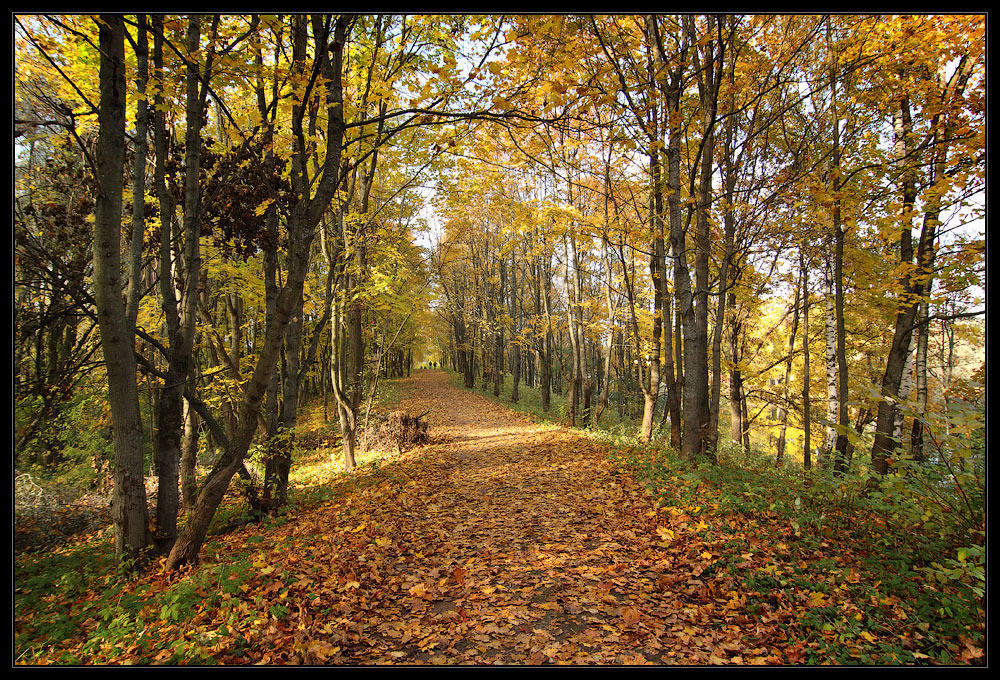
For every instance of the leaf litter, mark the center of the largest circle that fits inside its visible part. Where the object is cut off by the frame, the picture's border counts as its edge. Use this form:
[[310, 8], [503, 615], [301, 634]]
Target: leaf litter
[[501, 541]]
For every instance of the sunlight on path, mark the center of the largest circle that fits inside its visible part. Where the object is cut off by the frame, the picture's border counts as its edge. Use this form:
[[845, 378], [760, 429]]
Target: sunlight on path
[[518, 544]]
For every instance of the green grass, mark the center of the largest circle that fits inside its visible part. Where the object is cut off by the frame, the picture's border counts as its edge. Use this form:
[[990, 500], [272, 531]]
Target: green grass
[[825, 534]]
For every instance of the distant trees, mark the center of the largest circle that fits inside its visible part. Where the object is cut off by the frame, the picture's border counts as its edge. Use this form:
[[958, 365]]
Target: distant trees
[[755, 137]]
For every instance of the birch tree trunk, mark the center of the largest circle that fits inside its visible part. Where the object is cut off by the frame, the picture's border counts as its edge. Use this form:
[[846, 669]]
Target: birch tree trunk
[[806, 406], [830, 356]]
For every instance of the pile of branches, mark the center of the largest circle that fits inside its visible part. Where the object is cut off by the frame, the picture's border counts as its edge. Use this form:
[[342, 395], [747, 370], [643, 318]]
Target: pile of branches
[[400, 431]]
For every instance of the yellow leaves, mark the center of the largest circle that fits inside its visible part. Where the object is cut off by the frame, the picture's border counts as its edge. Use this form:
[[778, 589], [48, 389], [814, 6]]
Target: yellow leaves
[[665, 533], [666, 536], [262, 208], [817, 599]]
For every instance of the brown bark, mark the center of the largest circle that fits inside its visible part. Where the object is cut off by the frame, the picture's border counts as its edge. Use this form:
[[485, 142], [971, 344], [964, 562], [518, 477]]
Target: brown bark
[[180, 318], [128, 503], [906, 304], [302, 222], [779, 459]]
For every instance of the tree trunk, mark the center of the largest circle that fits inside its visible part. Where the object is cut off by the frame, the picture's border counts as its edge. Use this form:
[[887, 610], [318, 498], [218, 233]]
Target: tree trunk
[[303, 218], [515, 348], [900, 351], [651, 391], [779, 459], [606, 382], [546, 360], [189, 458], [843, 422], [709, 76], [128, 504], [180, 318], [279, 459], [832, 393], [806, 416], [687, 365], [920, 375]]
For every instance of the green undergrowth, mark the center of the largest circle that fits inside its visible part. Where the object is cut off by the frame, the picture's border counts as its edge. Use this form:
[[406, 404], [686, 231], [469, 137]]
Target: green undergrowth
[[867, 575], [74, 605]]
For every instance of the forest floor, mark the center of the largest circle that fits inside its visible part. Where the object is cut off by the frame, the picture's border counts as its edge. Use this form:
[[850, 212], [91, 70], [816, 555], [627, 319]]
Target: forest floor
[[512, 542], [503, 541]]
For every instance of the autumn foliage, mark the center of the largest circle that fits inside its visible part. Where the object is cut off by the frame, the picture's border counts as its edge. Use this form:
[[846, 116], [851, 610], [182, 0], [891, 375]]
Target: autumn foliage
[[499, 339]]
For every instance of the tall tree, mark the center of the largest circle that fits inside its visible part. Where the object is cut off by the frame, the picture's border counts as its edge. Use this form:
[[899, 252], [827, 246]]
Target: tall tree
[[128, 503], [329, 39]]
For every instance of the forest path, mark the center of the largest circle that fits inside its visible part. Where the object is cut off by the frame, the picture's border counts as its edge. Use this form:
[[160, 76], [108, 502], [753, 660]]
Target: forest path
[[502, 542]]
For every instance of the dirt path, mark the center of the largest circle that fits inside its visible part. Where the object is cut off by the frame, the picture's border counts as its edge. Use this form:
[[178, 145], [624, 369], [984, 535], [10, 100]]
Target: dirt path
[[503, 542]]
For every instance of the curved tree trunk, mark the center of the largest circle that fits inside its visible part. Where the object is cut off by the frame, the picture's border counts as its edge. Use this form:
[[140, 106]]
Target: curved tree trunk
[[303, 219]]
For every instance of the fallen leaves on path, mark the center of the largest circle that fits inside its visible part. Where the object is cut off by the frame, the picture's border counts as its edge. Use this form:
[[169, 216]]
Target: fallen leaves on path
[[503, 542]]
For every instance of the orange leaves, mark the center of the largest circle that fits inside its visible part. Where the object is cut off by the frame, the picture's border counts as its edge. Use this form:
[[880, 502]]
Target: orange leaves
[[511, 544], [631, 616], [419, 590], [971, 652], [319, 652]]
